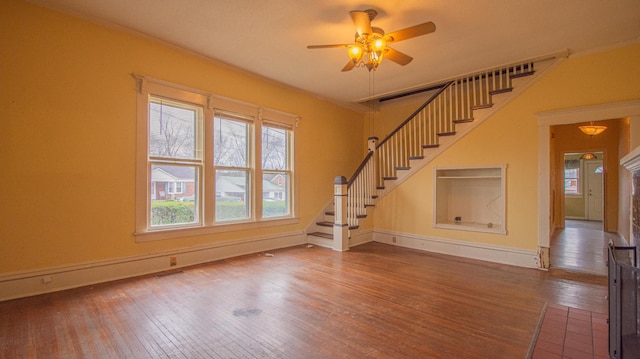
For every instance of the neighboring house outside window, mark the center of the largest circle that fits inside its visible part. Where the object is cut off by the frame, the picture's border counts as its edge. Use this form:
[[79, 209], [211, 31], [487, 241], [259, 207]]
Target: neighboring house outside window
[[204, 160]]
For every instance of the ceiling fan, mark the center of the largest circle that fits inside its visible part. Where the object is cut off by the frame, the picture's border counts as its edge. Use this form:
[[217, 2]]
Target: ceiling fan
[[371, 43]]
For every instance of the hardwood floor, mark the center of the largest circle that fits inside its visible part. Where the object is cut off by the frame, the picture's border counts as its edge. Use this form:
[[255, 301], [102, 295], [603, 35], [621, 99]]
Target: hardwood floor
[[375, 301], [581, 246]]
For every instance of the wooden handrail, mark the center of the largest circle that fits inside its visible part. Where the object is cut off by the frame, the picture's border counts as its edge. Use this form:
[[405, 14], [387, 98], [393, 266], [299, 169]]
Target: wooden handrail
[[357, 172], [436, 94]]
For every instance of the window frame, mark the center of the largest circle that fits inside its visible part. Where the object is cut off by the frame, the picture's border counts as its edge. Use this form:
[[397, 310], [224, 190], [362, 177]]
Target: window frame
[[578, 178], [149, 87], [288, 170]]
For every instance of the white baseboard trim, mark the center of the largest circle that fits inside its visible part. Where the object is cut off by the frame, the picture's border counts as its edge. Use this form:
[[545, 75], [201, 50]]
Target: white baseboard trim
[[485, 252], [359, 237], [28, 283]]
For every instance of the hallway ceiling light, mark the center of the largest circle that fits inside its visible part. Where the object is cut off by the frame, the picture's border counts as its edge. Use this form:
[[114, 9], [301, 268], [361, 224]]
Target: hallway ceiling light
[[592, 130], [589, 156]]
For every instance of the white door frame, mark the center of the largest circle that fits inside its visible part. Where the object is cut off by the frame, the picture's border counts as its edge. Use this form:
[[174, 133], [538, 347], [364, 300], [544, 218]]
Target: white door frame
[[608, 111]]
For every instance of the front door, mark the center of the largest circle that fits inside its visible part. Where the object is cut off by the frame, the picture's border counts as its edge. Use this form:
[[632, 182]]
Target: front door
[[594, 191]]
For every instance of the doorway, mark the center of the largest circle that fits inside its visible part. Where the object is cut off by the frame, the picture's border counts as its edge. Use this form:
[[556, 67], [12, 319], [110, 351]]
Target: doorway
[[581, 244], [548, 186], [583, 186]]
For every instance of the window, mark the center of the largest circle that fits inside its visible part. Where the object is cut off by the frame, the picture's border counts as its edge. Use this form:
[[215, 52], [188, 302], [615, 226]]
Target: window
[[209, 164], [176, 187], [572, 177], [572, 181], [232, 166], [276, 171]]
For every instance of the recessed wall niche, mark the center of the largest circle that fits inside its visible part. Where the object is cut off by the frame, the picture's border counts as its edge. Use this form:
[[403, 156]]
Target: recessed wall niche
[[470, 198]]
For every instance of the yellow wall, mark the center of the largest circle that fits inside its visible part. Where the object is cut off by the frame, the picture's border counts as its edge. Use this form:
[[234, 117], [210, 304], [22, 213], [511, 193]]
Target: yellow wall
[[511, 137], [67, 137]]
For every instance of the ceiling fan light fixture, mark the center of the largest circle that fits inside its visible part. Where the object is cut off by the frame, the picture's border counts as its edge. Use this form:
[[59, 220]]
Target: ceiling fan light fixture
[[378, 45], [355, 53], [592, 130], [371, 43]]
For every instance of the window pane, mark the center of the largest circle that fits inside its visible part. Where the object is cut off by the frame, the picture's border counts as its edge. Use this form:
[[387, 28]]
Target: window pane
[[232, 189], [570, 186], [275, 194], [572, 180], [230, 142], [172, 130], [173, 203], [274, 148]]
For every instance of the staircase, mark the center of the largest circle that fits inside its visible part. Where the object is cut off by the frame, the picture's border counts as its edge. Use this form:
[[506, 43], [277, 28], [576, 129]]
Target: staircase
[[453, 110], [321, 232]]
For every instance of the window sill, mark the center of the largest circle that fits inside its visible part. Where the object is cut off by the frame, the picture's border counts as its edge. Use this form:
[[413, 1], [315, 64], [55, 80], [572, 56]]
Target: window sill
[[218, 228]]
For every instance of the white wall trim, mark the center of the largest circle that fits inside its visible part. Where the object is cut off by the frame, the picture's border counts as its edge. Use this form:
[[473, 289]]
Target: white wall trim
[[28, 283], [359, 237], [479, 251]]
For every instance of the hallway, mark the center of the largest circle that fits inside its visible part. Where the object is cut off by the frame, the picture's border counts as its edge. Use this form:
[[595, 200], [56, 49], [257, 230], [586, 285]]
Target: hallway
[[581, 247]]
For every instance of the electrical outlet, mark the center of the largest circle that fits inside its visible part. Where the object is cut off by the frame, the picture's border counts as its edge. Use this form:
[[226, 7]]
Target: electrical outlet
[[47, 279], [173, 261], [393, 239]]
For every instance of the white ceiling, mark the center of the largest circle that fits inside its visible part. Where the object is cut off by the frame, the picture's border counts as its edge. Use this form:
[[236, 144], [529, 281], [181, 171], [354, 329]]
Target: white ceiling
[[269, 37]]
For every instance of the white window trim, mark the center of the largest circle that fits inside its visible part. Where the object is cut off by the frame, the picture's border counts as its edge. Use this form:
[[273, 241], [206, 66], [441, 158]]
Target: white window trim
[[149, 86]]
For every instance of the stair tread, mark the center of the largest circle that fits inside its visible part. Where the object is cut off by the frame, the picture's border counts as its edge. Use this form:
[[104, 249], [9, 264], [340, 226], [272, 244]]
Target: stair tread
[[523, 74], [452, 133], [480, 107], [505, 90], [322, 235], [325, 223]]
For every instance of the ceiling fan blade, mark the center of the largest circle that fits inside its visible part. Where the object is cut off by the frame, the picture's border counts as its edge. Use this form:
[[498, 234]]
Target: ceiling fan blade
[[397, 56], [413, 31], [349, 66], [361, 21], [326, 46]]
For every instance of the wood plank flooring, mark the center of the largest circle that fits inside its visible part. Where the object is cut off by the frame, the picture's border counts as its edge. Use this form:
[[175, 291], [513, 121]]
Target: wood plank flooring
[[582, 246], [375, 301]]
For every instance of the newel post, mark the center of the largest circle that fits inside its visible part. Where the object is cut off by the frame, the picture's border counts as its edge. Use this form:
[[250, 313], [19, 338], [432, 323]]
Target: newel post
[[341, 225], [372, 142]]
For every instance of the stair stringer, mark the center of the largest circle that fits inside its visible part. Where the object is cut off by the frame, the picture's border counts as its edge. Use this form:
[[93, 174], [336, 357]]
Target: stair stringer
[[320, 235], [462, 129]]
